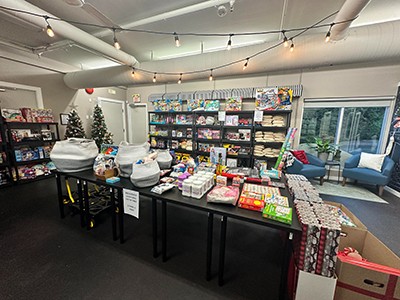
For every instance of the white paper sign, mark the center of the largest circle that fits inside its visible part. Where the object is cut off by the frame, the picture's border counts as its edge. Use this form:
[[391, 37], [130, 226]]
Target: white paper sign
[[131, 203], [258, 115], [221, 116]]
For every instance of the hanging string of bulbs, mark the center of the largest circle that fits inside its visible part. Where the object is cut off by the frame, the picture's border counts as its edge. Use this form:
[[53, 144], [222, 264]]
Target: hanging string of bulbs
[[285, 41]]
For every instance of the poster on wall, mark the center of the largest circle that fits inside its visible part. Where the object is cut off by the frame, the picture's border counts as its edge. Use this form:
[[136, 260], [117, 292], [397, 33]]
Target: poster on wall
[[136, 98]]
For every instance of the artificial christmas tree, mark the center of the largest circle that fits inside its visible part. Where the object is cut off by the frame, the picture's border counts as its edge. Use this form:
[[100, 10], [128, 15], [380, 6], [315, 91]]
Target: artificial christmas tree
[[99, 128], [74, 127]]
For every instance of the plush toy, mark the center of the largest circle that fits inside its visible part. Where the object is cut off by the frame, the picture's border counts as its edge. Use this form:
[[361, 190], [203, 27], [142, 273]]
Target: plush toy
[[353, 253]]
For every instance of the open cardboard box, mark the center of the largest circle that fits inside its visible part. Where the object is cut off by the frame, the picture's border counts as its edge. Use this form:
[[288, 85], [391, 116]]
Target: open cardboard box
[[358, 281]]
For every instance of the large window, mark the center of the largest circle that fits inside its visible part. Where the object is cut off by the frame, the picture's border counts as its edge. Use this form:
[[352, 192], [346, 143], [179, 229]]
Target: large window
[[350, 124]]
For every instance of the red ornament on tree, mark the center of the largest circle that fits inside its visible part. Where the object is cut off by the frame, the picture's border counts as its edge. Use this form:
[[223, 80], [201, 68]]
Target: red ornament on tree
[[89, 90]]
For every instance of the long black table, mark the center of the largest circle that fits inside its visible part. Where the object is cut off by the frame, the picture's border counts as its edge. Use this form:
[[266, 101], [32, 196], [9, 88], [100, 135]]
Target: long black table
[[174, 196]]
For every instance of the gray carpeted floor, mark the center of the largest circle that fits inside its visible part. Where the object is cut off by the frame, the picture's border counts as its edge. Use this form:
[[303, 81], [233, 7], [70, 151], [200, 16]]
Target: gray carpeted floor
[[45, 257]]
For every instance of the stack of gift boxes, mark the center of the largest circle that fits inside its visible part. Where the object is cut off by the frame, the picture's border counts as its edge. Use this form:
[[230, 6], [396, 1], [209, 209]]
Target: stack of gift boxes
[[317, 247]]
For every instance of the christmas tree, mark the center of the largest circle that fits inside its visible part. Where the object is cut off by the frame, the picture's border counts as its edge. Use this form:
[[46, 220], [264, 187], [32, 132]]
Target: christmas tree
[[99, 128], [74, 126]]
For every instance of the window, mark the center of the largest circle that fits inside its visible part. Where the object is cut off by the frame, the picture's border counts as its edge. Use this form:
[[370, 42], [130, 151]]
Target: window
[[352, 124]]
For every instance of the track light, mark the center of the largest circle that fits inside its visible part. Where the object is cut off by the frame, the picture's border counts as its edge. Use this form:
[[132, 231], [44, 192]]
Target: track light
[[292, 46], [49, 30], [133, 73], [155, 77], [177, 41], [246, 63], [285, 40], [211, 76], [180, 79], [328, 34], [229, 45], [116, 43]]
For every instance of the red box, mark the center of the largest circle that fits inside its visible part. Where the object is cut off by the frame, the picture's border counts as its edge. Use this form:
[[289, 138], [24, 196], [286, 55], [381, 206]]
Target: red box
[[248, 201]]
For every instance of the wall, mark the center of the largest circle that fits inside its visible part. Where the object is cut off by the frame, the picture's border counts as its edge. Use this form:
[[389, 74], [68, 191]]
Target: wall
[[328, 83]]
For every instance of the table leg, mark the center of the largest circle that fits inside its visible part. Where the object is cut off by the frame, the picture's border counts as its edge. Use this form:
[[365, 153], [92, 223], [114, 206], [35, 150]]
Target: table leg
[[164, 230], [121, 216], [113, 215], [80, 199], [209, 245], [222, 240], [87, 206], [285, 266], [59, 196], [154, 219]]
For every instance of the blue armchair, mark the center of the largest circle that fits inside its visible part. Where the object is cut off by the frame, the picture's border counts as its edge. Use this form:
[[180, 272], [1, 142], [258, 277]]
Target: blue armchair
[[316, 168], [366, 175]]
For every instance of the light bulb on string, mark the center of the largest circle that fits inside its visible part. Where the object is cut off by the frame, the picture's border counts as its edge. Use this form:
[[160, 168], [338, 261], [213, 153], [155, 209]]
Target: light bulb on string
[[246, 64], [229, 45], [285, 40], [177, 41], [116, 43], [133, 73], [292, 46], [180, 79], [155, 77], [49, 30], [328, 34], [210, 78]]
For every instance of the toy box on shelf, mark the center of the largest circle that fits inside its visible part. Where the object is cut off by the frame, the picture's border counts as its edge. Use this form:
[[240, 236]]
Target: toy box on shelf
[[211, 105], [12, 115], [233, 104], [195, 104], [274, 99]]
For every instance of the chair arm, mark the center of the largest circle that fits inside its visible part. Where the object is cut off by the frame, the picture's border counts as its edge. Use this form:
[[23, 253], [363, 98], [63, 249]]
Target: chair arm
[[388, 166], [352, 161], [296, 166], [315, 160]]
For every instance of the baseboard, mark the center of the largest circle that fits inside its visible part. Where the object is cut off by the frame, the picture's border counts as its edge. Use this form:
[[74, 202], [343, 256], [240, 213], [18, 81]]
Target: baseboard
[[392, 191]]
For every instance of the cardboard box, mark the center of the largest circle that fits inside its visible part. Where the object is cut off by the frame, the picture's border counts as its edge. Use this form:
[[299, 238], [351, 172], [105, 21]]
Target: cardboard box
[[313, 286], [363, 281], [350, 236]]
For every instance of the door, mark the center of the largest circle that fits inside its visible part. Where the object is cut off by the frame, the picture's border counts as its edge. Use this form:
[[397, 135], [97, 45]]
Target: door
[[114, 115], [138, 123]]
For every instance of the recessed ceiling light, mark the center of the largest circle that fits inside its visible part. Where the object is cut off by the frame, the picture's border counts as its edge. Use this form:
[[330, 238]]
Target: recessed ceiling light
[[77, 3]]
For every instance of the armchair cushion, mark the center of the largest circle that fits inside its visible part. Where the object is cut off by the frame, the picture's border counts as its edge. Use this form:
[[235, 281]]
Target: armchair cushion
[[308, 170], [301, 156], [371, 161], [315, 160]]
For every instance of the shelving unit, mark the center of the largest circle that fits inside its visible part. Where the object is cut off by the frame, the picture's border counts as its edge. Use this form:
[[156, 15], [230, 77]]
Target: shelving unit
[[29, 148], [5, 166], [240, 132]]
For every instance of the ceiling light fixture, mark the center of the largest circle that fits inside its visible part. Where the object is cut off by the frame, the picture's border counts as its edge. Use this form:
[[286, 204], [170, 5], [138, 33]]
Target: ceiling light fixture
[[328, 34], [246, 64], [285, 39], [177, 41], [49, 30], [292, 46], [180, 79], [211, 76], [155, 77], [229, 45], [221, 11], [116, 43]]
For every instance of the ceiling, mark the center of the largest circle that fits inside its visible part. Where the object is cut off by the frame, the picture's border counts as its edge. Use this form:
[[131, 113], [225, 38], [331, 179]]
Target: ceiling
[[17, 35]]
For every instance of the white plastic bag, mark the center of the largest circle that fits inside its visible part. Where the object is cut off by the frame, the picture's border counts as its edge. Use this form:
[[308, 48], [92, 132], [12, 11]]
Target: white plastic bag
[[164, 159], [74, 154], [128, 154], [144, 175]]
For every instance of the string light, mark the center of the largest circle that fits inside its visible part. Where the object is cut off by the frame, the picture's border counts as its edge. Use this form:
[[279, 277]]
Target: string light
[[177, 41], [292, 46], [285, 39], [155, 77], [133, 73], [49, 30], [180, 79], [328, 34], [229, 45], [116, 43], [246, 63], [210, 78]]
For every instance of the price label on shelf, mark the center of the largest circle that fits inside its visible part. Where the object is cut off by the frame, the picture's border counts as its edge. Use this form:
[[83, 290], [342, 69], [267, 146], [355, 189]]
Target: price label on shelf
[[258, 115], [221, 116], [131, 203]]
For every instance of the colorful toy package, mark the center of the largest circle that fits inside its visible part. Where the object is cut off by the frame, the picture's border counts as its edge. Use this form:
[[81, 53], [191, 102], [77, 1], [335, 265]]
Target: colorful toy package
[[267, 99], [109, 150], [195, 104], [160, 105], [278, 213], [233, 104], [175, 105], [211, 105], [285, 95]]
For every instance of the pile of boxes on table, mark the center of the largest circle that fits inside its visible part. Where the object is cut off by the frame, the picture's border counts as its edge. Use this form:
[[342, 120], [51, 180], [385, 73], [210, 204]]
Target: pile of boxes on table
[[330, 233]]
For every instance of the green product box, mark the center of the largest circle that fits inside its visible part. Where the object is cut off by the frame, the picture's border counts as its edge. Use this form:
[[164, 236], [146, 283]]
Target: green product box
[[278, 213]]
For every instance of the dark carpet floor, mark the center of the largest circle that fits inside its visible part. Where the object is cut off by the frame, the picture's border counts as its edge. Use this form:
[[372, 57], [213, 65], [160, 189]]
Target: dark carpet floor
[[45, 257]]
